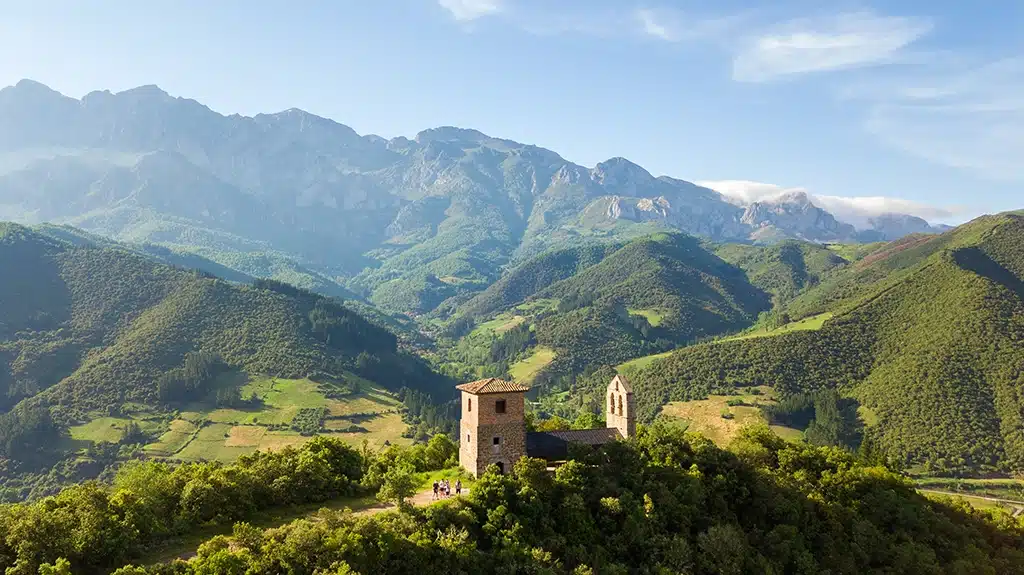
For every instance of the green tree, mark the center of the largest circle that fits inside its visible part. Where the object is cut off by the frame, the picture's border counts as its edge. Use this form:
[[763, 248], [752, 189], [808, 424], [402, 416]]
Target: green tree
[[60, 567], [399, 483]]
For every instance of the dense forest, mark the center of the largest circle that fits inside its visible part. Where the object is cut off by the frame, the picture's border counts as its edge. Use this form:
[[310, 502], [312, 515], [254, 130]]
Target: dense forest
[[662, 503], [784, 269], [934, 353], [88, 329]]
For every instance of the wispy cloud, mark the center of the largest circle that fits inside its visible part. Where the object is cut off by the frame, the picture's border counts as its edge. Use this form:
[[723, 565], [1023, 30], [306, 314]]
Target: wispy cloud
[[654, 26], [941, 106], [466, 10], [673, 25], [855, 210], [965, 116], [836, 42]]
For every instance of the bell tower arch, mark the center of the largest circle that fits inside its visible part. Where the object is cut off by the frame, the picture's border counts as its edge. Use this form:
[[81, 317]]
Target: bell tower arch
[[621, 413]]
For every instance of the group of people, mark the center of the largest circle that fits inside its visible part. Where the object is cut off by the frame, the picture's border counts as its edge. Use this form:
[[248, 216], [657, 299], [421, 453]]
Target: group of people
[[443, 488]]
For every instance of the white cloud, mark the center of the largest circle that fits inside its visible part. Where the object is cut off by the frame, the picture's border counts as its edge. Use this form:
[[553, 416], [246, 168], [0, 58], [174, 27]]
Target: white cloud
[[854, 210], [674, 26], [843, 41], [967, 117], [467, 10], [653, 25]]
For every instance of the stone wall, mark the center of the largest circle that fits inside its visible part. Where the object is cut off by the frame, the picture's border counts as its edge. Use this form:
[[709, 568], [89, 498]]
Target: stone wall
[[481, 451], [480, 409], [481, 423]]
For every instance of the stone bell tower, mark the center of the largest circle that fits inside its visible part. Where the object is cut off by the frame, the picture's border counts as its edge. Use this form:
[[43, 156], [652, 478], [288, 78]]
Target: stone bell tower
[[621, 410], [493, 425]]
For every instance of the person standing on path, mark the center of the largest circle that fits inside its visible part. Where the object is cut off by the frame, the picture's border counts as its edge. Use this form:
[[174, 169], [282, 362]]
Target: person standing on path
[[458, 487], [435, 490]]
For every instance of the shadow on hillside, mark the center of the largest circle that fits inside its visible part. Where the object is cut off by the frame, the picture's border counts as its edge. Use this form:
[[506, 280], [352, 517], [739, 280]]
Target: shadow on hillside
[[977, 261]]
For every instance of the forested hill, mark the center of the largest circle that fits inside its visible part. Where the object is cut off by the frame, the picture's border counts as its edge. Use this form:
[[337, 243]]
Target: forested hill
[[664, 287], [928, 338], [788, 268], [534, 276], [568, 311], [87, 330]]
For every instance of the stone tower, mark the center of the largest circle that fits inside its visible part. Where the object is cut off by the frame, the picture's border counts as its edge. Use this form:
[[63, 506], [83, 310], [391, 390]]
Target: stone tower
[[621, 411], [493, 426]]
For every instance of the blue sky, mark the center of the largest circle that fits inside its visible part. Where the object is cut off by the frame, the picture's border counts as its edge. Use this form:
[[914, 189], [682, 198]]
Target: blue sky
[[907, 104]]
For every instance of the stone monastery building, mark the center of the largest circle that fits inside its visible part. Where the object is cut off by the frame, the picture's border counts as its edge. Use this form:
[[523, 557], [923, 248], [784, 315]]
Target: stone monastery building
[[493, 425]]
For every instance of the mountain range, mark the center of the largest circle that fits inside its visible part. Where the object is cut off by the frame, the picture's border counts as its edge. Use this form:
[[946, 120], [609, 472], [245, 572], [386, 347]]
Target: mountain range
[[404, 223]]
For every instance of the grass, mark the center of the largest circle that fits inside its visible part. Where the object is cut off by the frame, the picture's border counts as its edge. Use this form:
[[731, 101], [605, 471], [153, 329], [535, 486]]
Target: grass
[[202, 432], [787, 433], [386, 427], [500, 324], [245, 436], [812, 323], [654, 316], [641, 362], [175, 439], [524, 370], [807, 324], [999, 488], [978, 503], [854, 252], [538, 306], [209, 444], [867, 416], [704, 416], [226, 434], [109, 429], [103, 429]]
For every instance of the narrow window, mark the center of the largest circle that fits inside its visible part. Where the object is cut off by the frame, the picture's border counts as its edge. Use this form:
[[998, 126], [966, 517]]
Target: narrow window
[[611, 405], [499, 406], [620, 405], [469, 404], [616, 385], [497, 441], [467, 438]]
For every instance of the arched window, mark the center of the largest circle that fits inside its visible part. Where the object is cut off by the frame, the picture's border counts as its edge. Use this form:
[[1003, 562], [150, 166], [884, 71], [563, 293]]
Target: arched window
[[620, 405], [611, 405]]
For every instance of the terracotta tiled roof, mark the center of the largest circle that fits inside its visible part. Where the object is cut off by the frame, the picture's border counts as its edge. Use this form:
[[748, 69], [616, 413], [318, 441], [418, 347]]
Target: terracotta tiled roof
[[492, 385]]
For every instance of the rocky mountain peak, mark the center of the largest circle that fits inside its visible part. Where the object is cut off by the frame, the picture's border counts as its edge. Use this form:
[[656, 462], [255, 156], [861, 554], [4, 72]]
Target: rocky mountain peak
[[622, 174], [149, 91], [450, 134]]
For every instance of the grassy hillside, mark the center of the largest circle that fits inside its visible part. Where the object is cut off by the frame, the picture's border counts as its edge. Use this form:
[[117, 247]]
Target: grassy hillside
[[933, 351], [582, 307], [605, 311], [888, 264], [783, 269], [535, 276], [90, 332]]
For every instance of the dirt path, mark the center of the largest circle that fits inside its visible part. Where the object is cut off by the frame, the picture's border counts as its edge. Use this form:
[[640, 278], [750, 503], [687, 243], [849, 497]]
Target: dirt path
[[421, 499], [1018, 506]]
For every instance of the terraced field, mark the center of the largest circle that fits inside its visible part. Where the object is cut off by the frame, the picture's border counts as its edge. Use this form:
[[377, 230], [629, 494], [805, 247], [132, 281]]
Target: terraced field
[[204, 432]]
